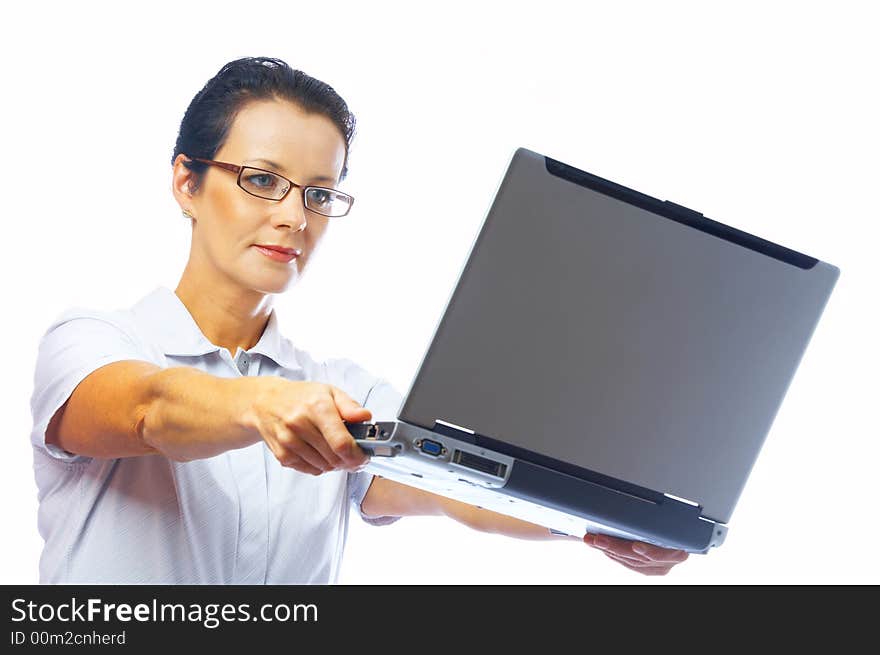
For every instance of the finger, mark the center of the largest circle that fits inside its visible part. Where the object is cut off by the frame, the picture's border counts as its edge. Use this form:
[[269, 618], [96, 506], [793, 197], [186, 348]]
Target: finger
[[312, 434], [621, 547], [352, 411], [294, 445], [658, 554], [348, 408], [308, 433], [297, 463], [643, 568], [328, 420], [276, 449], [637, 563], [630, 564], [291, 460]]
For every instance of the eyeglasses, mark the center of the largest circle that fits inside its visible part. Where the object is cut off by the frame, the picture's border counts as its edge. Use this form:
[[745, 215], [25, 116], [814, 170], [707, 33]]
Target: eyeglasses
[[272, 186]]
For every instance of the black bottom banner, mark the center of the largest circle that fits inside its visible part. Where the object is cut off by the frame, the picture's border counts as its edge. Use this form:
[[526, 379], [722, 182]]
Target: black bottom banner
[[172, 617]]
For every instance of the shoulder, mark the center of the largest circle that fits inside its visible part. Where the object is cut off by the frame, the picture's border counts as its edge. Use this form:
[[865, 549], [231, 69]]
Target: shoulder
[[77, 342], [372, 391], [363, 385], [338, 371], [120, 321], [88, 333]]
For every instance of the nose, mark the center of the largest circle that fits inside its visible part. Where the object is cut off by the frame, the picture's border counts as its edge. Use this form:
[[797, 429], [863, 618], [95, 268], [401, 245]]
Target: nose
[[292, 212]]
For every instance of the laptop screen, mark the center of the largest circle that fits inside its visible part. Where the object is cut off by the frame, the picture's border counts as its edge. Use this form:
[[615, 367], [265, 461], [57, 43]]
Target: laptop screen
[[603, 334]]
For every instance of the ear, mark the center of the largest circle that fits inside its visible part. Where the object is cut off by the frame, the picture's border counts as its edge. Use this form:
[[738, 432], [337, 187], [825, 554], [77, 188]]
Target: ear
[[184, 183]]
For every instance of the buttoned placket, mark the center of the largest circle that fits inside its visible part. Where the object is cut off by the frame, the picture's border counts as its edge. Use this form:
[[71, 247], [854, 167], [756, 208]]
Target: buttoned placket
[[243, 362], [249, 468]]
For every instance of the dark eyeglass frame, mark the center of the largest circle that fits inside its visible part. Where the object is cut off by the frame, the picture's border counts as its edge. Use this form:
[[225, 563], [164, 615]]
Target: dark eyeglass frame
[[238, 170]]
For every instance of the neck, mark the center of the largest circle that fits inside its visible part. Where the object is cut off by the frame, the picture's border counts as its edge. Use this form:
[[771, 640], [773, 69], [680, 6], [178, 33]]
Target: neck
[[228, 315]]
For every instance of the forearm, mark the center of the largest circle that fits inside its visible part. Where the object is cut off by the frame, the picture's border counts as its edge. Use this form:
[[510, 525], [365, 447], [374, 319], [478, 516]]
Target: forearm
[[485, 520], [193, 415], [388, 498]]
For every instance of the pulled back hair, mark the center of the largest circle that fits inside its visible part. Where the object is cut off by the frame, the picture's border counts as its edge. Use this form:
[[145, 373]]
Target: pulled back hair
[[209, 117]]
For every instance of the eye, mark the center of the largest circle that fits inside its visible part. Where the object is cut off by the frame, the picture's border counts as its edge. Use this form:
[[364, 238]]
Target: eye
[[319, 196], [262, 180]]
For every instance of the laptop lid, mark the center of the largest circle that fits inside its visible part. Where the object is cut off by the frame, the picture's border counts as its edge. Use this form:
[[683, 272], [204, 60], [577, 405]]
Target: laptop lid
[[622, 334]]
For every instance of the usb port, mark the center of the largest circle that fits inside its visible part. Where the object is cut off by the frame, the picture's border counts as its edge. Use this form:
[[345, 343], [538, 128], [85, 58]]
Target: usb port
[[430, 447], [482, 464]]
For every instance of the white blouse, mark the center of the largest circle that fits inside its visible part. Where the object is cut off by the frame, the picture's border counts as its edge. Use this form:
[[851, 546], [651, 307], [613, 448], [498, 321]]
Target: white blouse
[[236, 518]]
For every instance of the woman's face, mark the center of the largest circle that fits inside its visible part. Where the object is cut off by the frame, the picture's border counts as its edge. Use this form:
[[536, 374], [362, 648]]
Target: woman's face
[[229, 224]]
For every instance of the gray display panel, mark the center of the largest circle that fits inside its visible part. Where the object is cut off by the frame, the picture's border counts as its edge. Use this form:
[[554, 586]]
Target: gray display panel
[[599, 333]]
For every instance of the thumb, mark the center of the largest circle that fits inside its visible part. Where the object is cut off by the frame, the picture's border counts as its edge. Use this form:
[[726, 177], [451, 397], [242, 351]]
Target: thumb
[[348, 408]]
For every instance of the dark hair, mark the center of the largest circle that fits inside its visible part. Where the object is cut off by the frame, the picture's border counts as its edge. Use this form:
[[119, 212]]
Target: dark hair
[[209, 117]]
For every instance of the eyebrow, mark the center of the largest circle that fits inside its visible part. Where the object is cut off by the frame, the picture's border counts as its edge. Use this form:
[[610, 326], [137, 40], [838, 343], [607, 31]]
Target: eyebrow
[[280, 168]]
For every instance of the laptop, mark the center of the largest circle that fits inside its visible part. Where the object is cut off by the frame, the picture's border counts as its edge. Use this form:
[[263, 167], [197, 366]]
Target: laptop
[[607, 362]]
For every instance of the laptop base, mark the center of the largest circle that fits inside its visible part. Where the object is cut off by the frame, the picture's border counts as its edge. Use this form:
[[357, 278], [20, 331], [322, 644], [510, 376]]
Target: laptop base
[[462, 469]]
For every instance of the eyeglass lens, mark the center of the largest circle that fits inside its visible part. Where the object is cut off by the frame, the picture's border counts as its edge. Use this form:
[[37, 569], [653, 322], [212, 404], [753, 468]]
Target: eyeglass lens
[[273, 187]]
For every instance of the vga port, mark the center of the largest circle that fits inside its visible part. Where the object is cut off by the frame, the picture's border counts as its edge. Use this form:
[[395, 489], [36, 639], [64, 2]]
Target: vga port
[[431, 447]]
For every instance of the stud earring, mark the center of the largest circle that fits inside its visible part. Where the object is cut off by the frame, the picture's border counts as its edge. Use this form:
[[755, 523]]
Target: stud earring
[[187, 213]]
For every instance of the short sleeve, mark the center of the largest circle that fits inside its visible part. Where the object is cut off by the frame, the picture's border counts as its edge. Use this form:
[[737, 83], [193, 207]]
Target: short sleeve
[[358, 485], [383, 401], [75, 344]]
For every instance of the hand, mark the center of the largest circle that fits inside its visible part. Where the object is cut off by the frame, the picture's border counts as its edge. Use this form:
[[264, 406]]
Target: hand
[[302, 423], [636, 555]]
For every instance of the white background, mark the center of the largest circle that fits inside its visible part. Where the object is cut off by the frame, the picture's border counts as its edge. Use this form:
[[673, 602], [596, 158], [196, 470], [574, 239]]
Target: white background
[[761, 115]]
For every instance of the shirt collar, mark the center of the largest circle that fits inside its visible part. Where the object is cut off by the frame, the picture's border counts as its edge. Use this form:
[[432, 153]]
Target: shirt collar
[[173, 328]]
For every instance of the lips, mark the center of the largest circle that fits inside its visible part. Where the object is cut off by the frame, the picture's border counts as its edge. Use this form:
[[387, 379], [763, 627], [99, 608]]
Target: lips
[[282, 250], [279, 253]]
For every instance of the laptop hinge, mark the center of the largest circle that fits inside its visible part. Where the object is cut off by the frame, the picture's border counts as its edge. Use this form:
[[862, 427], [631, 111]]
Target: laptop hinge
[[467, 435]]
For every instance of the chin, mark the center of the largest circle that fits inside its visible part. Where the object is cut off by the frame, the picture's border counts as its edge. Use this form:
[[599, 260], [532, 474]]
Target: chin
[[271, 283], [282, 286], [270, 279]]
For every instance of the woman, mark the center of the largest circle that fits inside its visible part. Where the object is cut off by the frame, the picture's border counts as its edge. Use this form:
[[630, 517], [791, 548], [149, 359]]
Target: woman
[[184, 440]]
